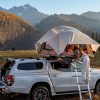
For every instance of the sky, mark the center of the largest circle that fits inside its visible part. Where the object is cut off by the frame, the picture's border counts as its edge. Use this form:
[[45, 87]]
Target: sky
[[56, 6]]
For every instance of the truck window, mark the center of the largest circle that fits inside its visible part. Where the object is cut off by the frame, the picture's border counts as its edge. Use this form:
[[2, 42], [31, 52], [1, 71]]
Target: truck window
[[60, 66], [30, 66], [78, 66]]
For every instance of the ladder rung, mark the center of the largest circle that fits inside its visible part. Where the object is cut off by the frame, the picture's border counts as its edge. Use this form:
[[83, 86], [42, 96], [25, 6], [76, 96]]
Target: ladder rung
[[76, 76], [91, 91], [82, 84], [78, 68]]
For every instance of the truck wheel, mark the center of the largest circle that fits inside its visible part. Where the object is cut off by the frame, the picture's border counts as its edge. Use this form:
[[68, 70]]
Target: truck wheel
[[40, 93], [97, 88]]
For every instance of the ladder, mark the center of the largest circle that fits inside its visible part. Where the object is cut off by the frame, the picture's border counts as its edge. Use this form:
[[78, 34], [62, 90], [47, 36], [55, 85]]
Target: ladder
[[79, 84]]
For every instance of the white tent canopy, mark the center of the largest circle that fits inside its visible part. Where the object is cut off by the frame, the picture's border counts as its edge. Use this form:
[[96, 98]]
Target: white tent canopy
[[59, 37]]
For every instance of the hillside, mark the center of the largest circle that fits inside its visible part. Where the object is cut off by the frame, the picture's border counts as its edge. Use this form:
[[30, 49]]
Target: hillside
[[15, 32], [54, 21], [91, 24], [92, 15]]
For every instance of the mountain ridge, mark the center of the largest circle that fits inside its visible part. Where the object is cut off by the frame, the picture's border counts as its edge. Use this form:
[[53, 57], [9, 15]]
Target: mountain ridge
[[90, 20], [27, 12], [22, 12], [82, 20], [92, 15], [54, 21]]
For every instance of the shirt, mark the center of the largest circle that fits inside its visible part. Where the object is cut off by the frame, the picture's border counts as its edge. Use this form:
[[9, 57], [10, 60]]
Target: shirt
[[85, 62]]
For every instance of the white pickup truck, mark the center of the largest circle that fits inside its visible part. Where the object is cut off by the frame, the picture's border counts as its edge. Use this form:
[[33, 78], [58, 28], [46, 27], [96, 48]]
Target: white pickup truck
[[42, 78]]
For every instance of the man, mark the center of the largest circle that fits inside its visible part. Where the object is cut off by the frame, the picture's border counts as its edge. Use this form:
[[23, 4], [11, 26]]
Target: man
[[85, 65], [4, 69]]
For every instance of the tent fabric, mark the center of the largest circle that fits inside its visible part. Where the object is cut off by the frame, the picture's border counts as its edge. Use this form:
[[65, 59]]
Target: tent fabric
[[59, 37]]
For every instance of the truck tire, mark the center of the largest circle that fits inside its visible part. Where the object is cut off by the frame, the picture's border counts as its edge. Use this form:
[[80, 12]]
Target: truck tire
[[97, 88], [40, 93]]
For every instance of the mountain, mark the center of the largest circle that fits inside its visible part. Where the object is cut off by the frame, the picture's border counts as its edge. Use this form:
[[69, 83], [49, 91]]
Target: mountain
[[28, 13], [54, 21], [92, 15], [90, 20], [91, 24], [15, 32], [2, 9]]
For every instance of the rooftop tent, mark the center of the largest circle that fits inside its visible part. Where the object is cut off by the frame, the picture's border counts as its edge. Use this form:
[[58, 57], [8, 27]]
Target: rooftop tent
[[59, 37]]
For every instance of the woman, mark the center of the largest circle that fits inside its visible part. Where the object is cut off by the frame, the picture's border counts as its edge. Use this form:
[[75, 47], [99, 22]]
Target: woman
[[85, 65]]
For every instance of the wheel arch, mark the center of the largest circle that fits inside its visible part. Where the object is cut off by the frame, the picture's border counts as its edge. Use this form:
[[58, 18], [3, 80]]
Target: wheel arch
[[96, 85], [41, 84]]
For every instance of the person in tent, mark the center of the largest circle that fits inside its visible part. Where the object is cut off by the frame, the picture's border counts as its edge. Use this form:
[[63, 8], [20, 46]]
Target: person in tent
[[68, 54], [47, 50], [85, 65], [44, 51], [69, 51]]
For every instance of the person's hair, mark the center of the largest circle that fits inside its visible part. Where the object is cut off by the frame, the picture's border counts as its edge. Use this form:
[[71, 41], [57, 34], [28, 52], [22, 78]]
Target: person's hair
[[84, 49], [67, 47], [76, 47]]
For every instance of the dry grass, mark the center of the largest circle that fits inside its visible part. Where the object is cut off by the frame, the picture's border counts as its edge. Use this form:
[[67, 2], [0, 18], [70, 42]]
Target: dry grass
[[33, 54], [96, 97], [18, 54], [95, 61]]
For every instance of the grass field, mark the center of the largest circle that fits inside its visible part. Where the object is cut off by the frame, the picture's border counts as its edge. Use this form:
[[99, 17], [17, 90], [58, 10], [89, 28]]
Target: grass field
[[17, 54], [95, 61]]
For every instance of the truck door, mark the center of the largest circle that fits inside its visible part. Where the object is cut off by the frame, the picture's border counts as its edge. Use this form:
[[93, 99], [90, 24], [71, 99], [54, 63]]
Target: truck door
[[60, 77]]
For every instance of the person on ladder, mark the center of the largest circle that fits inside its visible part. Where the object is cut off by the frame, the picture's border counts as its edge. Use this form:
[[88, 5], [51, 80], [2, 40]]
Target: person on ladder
[[85, 65], [85, 68]]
